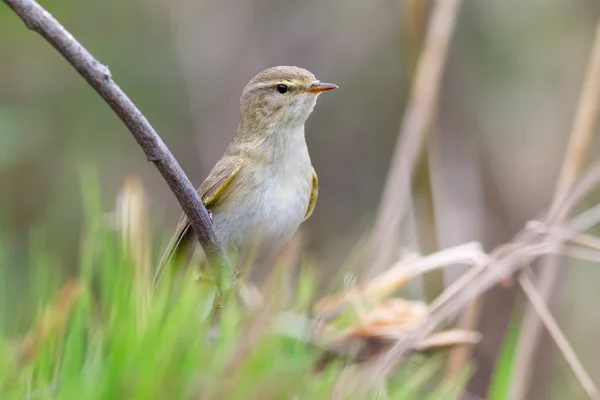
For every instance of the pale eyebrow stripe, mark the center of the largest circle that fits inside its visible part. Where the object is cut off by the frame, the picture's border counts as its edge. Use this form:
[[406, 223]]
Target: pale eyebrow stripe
[[271, 83]]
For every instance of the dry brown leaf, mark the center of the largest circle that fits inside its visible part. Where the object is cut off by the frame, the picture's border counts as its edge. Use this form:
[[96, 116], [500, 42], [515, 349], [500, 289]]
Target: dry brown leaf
[[379, 329], [391, 319], [391, 280]]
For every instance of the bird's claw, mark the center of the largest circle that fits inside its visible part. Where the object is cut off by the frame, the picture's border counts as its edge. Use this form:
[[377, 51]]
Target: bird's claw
[[210, 216]]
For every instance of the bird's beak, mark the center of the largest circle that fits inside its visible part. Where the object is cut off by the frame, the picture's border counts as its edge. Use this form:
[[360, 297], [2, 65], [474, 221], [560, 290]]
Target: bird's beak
[[319, 87]]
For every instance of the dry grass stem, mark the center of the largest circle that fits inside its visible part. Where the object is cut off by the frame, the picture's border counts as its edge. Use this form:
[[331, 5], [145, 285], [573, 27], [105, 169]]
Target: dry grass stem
[[133, 224], [389, 281], [460, 356], [582, 132], [580, 253], [565, 234], [527, 246], [420, 110], [586, 220], [449, 338], [583, 129], [559, 338]]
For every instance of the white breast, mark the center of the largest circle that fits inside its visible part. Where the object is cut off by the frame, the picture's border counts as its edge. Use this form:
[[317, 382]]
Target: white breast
[[284, 204], [263, 224]]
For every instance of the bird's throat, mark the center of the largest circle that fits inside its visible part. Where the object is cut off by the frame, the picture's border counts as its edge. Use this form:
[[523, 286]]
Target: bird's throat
[[274, 145]]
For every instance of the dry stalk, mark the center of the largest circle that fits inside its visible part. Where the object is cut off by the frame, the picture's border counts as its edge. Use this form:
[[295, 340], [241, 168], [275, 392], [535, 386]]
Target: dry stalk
[[133, 225], [389, 281], [414, 16], [581, 136], [530, 244], [460, 356], [409, 327], [420, 110], [558, 336], [537, 239]]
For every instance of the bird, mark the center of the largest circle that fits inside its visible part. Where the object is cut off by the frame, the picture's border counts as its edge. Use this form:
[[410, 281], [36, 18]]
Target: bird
[[264, 186]]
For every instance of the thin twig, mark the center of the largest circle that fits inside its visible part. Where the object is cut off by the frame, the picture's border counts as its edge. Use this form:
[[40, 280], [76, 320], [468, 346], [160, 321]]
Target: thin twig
[[419, 112], [581, 136], [98, 76], [559, 338]]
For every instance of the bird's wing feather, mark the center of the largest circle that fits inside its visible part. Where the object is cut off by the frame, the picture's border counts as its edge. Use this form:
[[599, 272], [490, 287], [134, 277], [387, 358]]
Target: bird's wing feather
[[213, 189], [314, 193]]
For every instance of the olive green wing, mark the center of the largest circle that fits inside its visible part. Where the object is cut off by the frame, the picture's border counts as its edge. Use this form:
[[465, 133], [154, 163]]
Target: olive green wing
[[314, 193], [214, 188]]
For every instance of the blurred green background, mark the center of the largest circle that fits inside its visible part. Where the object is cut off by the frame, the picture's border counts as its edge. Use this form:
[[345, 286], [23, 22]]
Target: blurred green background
[[510, 90]]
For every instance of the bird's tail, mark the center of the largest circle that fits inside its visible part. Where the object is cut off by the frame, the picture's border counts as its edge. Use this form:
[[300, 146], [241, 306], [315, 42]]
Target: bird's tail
[[179, 249]]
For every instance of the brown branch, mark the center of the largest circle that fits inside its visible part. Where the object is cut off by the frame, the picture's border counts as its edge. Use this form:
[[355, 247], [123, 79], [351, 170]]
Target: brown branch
[[98, 76], [581, 136], [420, 110]]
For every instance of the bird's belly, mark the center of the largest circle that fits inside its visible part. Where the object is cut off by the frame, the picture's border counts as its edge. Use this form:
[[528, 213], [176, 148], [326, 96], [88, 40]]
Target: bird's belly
[[260, 225]]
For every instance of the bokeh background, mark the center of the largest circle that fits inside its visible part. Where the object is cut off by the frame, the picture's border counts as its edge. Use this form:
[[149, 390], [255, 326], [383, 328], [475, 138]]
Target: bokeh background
[[510, 90]]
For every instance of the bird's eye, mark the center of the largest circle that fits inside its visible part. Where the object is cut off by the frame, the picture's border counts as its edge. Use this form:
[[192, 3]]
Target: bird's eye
[[281, 88]]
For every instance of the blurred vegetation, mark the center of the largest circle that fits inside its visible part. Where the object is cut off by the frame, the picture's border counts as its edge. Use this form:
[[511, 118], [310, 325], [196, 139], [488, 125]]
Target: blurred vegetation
[[509, 94], [94, 337]]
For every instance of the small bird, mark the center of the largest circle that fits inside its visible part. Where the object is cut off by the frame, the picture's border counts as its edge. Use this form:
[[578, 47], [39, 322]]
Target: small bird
[[264, 186]]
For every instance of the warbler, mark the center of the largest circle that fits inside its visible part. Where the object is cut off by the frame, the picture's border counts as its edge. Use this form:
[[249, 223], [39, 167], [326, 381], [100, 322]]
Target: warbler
[[264, 186]]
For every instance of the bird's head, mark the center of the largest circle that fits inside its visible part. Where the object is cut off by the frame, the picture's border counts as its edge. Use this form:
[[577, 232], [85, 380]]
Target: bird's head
[[280, 97]]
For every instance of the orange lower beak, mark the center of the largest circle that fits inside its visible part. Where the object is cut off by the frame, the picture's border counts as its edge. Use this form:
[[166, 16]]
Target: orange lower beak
[[319, 87]]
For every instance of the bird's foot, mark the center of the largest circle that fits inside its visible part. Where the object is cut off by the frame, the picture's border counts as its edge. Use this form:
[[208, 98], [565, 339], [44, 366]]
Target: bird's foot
[[210, 216]]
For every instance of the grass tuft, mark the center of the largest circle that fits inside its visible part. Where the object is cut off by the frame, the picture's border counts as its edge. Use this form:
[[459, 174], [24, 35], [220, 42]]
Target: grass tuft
[[99, 334]]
